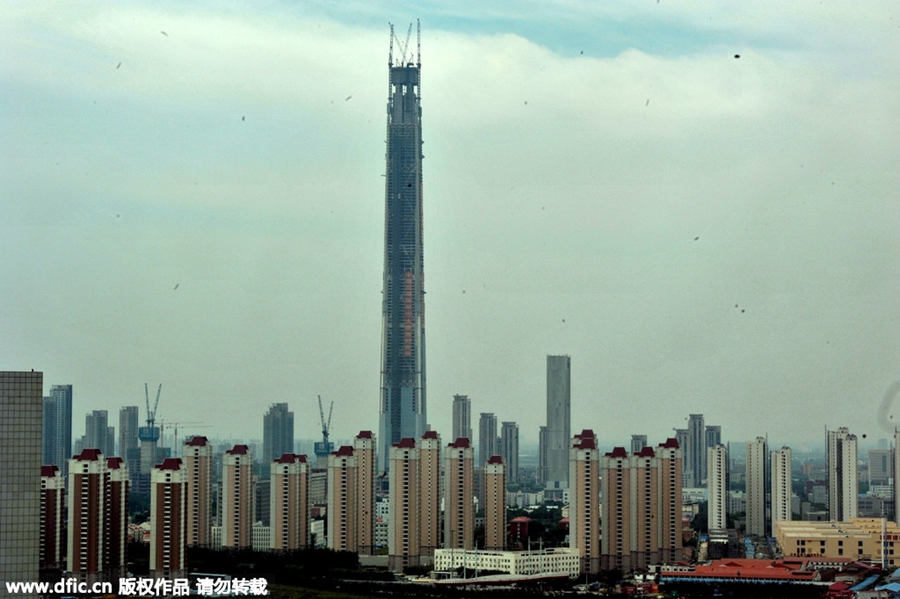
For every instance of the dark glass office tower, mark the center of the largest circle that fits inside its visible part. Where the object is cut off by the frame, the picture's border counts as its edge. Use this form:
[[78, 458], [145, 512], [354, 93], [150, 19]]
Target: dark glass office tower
[[402, 410]]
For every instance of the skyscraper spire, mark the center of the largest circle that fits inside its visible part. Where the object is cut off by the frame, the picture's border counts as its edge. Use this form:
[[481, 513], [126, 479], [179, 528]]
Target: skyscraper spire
[[403, 408]]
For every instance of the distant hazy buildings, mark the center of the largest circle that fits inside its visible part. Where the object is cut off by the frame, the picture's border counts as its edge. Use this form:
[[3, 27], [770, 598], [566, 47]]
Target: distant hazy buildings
[[638, 442], [488, 443], [881, 466], [98, 434], [584, 499], [781, 475], [509, 450], [756, 483], [559, 419], [21, 410], [843, 490], [543, 446], [198, 463], [237, 498], [168, 504], [278, 432], [128, 441], [57, 433], [462, 417]]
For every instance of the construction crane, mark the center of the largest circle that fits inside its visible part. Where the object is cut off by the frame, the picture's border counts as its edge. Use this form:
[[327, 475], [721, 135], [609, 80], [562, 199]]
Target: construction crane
[[150, 432], [191, 424], [323, 448]]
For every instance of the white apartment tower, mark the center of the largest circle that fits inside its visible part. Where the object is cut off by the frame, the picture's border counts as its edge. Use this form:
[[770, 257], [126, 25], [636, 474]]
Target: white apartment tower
[[757, 458], [781, 485], [717, 470], [843, 487]]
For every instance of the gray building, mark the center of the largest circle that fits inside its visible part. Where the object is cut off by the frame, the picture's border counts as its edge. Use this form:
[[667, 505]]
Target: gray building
[[488, 442], [56, 446], [695, 455], [402, 408], [278, 432], [98, 434], [541, 477], [559, 419], [462, 417], [21, 414], [509, 450], [129, 449], [638, 442]]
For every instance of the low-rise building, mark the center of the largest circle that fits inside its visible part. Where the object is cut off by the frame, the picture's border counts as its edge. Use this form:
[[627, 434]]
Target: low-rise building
[[517, 563], [856, 538]]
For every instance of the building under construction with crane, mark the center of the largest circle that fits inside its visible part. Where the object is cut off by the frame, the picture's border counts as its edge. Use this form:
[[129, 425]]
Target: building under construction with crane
[[149, 438], [403, 408]]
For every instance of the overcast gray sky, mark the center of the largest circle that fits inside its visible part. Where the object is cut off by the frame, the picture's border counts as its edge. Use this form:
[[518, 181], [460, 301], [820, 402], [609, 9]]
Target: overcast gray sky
[[697, 201]]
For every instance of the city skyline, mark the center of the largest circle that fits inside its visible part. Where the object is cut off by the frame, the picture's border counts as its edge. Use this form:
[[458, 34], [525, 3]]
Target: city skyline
[[216, 223]]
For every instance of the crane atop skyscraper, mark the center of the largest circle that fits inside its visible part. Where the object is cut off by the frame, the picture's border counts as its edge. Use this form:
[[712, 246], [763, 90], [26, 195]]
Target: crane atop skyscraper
[[323, 448], [151, 416]]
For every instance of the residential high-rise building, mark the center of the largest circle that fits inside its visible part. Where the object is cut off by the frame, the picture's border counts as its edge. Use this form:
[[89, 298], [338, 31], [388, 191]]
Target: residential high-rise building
[[128, 441], [495, 504], [198, 463], [487, 438], [88, 480], [462, 417], [584, 499], [278, 432], [638, 442], [695, 455], [559, 419], [97, 516], [364, 450], [781, 475], [671, 464], [429, 493], [237, 497], [756, 486], [289, 503], [843, 486], [21, 410], [881, 466], [403, 406], [403, 519], [509, 450], [168, 507], [57, 434], [342, 500], [116, 522], [53, 487], [459, 507], [542, 455], [641, 518], [717, 487]]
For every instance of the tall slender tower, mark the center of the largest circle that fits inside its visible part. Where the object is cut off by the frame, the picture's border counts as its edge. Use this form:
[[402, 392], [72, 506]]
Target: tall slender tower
[[559, 419], [781, 486], [403, 408], [756, 478]]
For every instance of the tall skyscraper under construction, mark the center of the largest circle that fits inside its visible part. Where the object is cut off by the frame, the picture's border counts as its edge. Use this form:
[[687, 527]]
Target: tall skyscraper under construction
[[402, 410]]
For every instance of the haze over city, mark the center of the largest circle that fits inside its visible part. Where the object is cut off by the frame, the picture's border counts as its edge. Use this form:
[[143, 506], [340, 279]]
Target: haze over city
[[697, 202]]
